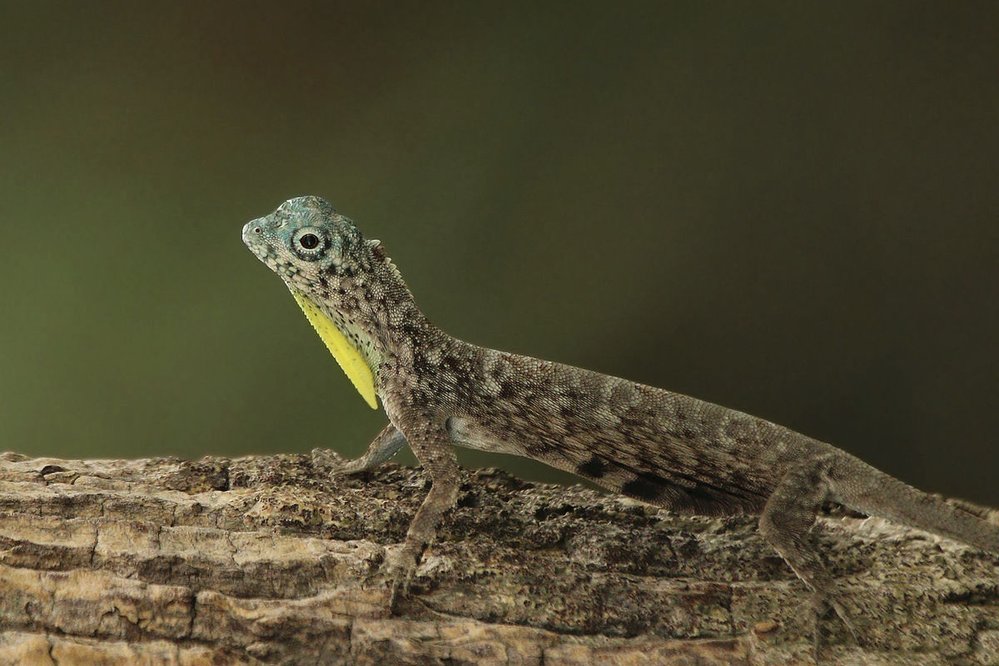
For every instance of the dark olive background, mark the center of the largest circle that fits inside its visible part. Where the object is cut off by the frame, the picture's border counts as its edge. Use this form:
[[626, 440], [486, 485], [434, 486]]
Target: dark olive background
[[787, 208]]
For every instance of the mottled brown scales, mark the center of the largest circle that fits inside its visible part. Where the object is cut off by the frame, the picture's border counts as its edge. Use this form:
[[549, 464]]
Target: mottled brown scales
[[660, 447]]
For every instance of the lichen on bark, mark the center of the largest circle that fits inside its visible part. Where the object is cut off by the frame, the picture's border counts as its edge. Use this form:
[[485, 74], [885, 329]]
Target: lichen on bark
[[265, 559]]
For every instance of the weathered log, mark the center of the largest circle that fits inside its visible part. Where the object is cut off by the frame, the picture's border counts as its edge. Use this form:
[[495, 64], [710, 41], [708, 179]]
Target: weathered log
[[265, 560]]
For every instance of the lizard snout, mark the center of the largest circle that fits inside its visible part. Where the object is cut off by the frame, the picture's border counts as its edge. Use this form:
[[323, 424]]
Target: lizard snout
[[251, 229]]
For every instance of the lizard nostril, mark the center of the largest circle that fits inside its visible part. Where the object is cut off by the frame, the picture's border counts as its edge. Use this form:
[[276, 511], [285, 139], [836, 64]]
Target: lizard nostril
[[256, 230]]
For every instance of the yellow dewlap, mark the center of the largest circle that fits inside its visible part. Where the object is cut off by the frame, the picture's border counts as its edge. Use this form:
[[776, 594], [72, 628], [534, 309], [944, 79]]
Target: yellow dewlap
[[343, 351]]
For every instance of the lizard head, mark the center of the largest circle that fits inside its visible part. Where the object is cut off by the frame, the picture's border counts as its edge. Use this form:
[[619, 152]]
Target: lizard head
[[307, 243], [341, 281]]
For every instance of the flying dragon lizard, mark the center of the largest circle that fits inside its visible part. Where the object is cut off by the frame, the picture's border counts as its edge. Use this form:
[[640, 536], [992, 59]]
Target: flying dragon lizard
[[663, 448]]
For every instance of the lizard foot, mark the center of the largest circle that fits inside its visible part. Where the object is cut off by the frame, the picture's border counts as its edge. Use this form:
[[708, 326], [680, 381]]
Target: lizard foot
[[347, 468], [398, 569], [338, 466], [822, 603]]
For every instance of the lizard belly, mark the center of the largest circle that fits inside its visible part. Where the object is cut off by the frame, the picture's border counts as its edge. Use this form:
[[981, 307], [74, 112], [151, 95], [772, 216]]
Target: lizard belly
[[469, 434]]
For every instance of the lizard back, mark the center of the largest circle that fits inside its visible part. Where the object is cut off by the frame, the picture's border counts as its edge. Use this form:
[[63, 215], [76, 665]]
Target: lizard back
[[660, 447]]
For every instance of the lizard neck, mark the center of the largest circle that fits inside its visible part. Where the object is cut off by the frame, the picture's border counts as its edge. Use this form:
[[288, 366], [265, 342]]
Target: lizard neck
[[385, 324], [404, 333]]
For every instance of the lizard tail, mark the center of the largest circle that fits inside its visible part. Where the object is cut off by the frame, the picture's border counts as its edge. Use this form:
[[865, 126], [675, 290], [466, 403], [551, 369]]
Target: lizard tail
[[871, 491]]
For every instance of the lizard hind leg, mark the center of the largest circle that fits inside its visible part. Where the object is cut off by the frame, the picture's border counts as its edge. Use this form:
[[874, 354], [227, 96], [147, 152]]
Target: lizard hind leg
[[785, 522]]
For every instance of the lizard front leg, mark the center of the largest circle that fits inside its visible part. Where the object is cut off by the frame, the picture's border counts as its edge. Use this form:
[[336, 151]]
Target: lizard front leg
[[385, 445], [432, 446]]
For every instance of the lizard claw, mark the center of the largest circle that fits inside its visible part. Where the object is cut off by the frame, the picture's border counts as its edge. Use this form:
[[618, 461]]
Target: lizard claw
[[822, 602], [399, 568], [840, 611]]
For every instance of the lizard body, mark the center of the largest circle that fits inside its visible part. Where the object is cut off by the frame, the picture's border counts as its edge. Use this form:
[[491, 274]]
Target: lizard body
[[660, 447]]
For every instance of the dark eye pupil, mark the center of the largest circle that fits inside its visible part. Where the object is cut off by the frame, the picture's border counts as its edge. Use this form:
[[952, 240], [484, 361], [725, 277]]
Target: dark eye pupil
[[309, 241]]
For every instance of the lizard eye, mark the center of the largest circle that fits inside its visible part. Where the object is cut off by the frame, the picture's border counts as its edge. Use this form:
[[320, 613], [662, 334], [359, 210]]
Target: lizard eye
[[309, 243]]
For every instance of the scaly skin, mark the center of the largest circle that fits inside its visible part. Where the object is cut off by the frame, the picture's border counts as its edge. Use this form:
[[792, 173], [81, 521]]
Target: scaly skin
[[662, 448]]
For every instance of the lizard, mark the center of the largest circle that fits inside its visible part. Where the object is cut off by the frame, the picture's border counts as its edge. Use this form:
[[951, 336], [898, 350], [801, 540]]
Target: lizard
[[662, 448]]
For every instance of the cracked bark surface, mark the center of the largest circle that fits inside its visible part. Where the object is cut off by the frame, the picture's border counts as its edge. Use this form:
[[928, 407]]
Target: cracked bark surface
[[264, 560]]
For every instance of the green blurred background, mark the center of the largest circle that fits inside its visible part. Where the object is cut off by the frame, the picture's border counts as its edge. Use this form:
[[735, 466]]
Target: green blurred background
[[787, 208]]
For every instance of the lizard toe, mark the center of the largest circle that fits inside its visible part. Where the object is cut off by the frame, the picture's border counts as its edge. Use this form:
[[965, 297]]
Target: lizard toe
[[398, 571]]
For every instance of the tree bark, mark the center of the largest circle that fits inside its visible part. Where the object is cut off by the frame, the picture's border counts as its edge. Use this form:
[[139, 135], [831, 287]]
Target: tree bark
[[267, 560]]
